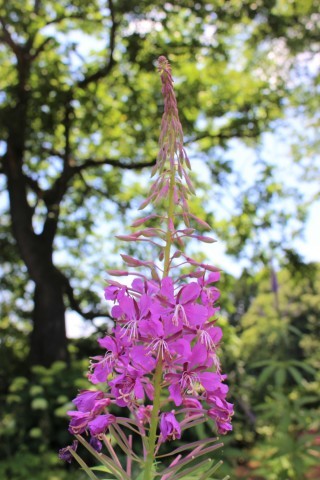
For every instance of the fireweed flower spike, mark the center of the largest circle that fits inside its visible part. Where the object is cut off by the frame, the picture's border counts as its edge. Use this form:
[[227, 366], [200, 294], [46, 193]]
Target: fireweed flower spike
[[160, 362]]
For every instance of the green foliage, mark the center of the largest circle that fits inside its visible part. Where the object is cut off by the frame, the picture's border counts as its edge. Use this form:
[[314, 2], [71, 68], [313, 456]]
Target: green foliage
[[44, 465], [275, 378], [33, 422]]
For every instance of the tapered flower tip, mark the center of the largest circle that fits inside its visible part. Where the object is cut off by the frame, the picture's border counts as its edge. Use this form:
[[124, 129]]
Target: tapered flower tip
[[163, 64]]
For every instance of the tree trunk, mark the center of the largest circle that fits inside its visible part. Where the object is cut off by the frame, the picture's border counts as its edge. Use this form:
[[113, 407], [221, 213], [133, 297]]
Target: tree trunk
[[48, 339]]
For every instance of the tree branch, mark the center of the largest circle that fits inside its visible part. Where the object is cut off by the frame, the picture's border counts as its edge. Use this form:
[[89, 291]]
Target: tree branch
[[7, 38], [67, 128], [34, 185], [54, 195], [74, 16], [75, 303], [52, 198], [52, 152], [227, 135], [105, 70], [36, 7], [123, 206], [41, 48], [91, 163]]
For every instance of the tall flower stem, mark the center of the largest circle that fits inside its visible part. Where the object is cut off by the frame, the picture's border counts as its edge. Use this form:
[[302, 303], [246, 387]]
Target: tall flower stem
[[166, 266], [148, 473]]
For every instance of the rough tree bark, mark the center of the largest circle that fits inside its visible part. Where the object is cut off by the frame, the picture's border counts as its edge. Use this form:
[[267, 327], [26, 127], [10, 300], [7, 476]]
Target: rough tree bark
[[49, 341]]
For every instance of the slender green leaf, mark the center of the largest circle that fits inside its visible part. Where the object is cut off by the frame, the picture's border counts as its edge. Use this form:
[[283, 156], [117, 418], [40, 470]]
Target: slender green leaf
[[280, 376], [101, 468], [296, 374], [83, 465], [265, 374], [209, 472], [116, 471]]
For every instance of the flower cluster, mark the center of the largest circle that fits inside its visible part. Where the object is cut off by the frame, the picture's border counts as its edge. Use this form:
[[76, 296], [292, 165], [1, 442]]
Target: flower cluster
[[160, 360], [157, 321]]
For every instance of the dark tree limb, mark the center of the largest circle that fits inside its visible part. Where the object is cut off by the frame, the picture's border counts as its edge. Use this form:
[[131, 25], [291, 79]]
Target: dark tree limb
[[106, 69], [61, 18], [223, 135], [91, 163], [34, 185], [75, 303], [41, 47], [37, 4], [7, 38], [54, 196], [52, 152], [52, 199], [123, 206], [67, 129]]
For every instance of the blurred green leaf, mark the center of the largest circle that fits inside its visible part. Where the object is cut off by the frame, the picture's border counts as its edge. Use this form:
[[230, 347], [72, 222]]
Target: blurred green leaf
[[39, 404]]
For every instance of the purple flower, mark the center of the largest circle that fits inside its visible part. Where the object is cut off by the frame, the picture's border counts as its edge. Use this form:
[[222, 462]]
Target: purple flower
[[192, 377], [209, 336], [274, 281], [220, 410], [117, 347], [169, 427], [144, 286], [130, 386], [101, 423], [100, 406], [144, 414], [209, 294], [86, 399], [180, 309], [193, 406], [223, 427], [90, 404], [96, 444], [65, 453], [113, 291], [79, 421], [129, 312], [141, 360]]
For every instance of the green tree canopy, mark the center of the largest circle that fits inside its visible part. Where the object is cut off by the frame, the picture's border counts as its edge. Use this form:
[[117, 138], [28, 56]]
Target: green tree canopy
[[80, 107]]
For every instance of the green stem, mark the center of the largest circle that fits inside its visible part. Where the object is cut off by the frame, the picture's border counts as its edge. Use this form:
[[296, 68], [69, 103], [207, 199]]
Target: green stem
[[170, 218], [148, 473]]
